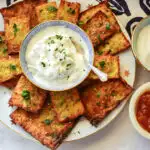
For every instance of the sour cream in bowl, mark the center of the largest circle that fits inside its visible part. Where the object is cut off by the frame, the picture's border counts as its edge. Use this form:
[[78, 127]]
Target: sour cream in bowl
[[56, 55], [140, 43]]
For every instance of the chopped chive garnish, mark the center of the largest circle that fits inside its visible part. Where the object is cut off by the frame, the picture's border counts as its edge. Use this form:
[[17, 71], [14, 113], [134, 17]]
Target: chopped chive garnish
[[4, 50], [12, 67], [52, 41], [99, 38], [113, 93], [68, 65], [98, 95], [102, 64], [47, 121], [51, 8], [71, 11], [43, 64], [107, 26], [16, 29], [1, 40], [80, 23], [98, 104], [59, 37], [26, 94], [99, 52]]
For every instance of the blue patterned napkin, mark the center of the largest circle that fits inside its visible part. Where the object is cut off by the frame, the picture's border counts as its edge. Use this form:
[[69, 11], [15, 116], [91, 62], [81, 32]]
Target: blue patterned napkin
[[130, 12]]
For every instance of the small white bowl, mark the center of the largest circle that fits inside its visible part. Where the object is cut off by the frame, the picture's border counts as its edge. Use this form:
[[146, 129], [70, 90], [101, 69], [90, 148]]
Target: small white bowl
[[143, 23], [43, 26], [132, 109]]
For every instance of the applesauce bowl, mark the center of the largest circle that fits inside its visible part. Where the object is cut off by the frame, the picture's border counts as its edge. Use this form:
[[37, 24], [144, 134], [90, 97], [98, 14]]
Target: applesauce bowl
[[41, 28]]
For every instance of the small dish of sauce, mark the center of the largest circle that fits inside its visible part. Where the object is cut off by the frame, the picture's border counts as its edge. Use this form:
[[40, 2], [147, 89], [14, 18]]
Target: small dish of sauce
[[139, 110], [143, 111]]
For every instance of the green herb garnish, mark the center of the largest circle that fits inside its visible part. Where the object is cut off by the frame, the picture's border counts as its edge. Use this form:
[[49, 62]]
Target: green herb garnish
[[47, 121], [80, 23], [16, 29], [68, 77], [98, 104], [54, 135], [62, 101], [71, 11], [1, 40], [51, 8], [26, 94], [4, 50], [107, 26], [43, 64], [102, 64], [56, 49], [113, 93], [59, 37], [12, 67], [98, 95], [52, 41], [68, 65], [99, 52], [99, 38]]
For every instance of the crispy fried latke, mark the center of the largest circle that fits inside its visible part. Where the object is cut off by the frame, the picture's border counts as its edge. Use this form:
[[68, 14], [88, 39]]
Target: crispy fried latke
[[27, 96], [112, 45], [16, 28], [99, 28], [115, 44], [108, 64], [67, 105], [46, 12], [101, 98], [43, 126], [9, 68], [68, 11]]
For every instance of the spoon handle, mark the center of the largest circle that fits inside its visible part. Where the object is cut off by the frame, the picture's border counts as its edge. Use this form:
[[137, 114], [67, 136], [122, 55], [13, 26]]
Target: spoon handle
[[102, 76]]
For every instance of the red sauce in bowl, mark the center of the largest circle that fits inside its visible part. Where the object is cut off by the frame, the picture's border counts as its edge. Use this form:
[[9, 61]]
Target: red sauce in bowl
[[143, 111]]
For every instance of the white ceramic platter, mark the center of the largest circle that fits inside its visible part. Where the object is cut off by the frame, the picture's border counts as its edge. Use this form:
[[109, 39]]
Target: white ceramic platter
[[83, 128]]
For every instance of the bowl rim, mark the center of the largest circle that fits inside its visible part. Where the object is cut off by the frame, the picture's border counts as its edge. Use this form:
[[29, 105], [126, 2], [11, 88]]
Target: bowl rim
[[132, 109], [132, 41], [65, 22]]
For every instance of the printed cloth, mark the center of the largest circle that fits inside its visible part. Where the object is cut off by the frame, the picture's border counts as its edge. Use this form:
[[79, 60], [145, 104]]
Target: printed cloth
[[130, 12]]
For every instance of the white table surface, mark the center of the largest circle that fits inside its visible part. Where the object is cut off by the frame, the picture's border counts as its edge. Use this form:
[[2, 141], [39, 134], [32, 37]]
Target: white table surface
[[118, 135]]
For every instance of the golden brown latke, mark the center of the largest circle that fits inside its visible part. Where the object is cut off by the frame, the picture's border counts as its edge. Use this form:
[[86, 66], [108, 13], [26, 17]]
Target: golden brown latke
[[101, 98], [67, 105], [9, 68], [108, 64], [27, 96], [46, 12], [68, 11], [43, 126]]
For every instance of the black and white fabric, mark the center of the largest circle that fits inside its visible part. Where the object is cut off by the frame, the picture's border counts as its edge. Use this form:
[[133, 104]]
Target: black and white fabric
[[130, 12]]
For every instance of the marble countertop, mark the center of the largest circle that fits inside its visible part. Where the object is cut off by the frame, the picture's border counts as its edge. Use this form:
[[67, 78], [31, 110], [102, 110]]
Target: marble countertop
[[119, 134]]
